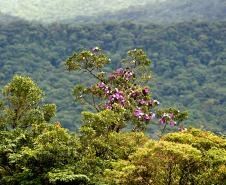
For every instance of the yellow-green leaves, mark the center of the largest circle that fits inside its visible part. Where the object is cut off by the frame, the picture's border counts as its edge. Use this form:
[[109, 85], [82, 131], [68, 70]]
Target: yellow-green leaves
[[87, 60], [49, 111], [61, 176], [175, 159], [21, 107], [22, 92], [104, 121], [203, 140]]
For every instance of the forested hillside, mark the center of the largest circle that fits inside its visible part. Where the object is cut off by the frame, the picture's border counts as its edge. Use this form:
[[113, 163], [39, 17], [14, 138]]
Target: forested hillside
[[161, 11], [188, 62], [113, 92], [51, 11], [6, 19], [169, 11], [111, 146]]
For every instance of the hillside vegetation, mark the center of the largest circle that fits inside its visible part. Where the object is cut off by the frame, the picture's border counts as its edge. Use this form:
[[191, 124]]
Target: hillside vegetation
[[157, 11], [111, 146], [172, 11], [113, 92], [48, 10], [188, 60]]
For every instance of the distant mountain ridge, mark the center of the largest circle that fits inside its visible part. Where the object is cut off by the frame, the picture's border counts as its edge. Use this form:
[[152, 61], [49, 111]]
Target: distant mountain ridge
[[157, 11], [5, 18], [188, 63], [174, 11], [55, 10]]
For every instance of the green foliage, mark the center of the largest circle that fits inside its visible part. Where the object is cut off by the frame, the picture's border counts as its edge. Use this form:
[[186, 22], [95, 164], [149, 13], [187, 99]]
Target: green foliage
[[202, 140], [67, 177], [161, 11], [49, 111], [171, 11], [187, 63], [87, 61], [28, 157], [103, 121], [213, 148], [99, 151], [22, 91], [21, 104], [170, 161], [34, 151], [31, 148], [54, 148], [121, 94], [40, 10]]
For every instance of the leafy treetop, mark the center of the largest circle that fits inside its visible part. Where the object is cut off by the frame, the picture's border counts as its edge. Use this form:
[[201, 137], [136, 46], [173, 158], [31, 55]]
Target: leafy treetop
[[124, 93]]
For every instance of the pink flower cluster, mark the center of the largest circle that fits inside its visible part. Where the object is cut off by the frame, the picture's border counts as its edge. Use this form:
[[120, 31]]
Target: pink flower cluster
[[123, 73], [134, 94], [106, 89], [145, 91], [182, 129], [167, 117], [96, 49], [150, 103], [114, 97], [141, 96], [141, 115], [117, 97]]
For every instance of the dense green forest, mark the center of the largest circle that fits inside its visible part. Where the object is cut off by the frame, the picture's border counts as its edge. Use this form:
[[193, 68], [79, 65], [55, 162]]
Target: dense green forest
[[111, 147], [188, 63], [60, 10], [106, 92], [168, 12], [157, 11]]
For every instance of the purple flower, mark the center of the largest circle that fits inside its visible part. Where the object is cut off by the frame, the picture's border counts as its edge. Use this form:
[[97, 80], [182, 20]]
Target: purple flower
[[171, 115], [128, 75], [96, 49], [153, 115], [123, 103], [147, 117], [119, 71], [112, 98], [134, 94], [106, 90], [108, 106], [101, 85], [138, 113], [173, 123], [145, 91], [117, 96], [182, 129], [150, 102], [142, 102], [162, 120]]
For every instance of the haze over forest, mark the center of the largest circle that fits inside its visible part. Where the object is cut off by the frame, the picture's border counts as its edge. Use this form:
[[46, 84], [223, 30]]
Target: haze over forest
[[81, 103], [152, 27], [99, 10]]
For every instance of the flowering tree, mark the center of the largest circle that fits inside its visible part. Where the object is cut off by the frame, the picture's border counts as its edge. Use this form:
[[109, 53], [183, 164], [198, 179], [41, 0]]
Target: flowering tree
[[123, 93]]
